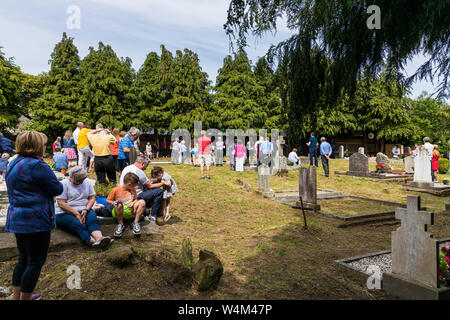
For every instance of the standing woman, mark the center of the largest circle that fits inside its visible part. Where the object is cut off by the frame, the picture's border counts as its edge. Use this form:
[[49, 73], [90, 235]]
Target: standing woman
[[31, 214], [115, 148], [435, 163], [69, 148]]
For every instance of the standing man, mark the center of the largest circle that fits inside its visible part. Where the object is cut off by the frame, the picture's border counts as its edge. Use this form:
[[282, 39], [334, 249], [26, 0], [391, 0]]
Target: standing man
[[430, 149], [325, 154], [125, 145], [204, 154], [83, 149], [101, 141], [150, 192], [265, 150], [75, 134], [219, 151], [313, 144]]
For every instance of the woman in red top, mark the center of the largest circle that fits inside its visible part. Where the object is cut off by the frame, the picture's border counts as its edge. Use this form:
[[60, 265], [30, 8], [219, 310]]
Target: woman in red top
[[435, 163], [57, 143], [115, 147]]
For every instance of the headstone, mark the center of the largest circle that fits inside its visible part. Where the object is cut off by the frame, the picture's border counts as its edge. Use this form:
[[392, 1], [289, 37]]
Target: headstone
[[381, 158], [361, 150], [402, 150], [359, 163], [264, 178], [341, 152], [308, 186], [422, 168], [409, 164], [414, 251], [134, 152]]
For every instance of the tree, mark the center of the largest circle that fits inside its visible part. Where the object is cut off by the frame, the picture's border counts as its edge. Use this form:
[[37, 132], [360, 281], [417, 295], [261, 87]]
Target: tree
[[431, 117], [339, 29], [190, 98], [271, 100], [238, 95], [106, 84], [10, 93], [58, 107]]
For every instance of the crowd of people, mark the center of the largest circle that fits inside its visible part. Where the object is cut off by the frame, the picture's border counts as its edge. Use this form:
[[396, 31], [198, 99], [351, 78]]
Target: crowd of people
[[38, 202]]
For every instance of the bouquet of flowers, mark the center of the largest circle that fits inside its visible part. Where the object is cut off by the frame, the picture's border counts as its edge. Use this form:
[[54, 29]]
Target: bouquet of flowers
[[444, 264], [380, 167]]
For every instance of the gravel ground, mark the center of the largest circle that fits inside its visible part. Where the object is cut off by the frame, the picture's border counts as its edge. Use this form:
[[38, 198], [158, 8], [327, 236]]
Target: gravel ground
[[384, 261]]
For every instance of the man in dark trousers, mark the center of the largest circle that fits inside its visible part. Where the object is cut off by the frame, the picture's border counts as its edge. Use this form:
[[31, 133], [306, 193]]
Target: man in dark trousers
[[313, 144], [325, 154]]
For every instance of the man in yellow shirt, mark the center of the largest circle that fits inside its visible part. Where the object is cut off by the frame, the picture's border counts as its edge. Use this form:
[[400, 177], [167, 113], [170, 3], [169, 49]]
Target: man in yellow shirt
[[83, 148], [101, 141]]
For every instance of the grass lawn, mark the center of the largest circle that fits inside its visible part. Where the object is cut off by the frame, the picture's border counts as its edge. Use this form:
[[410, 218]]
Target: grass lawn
[[348, 207], [265, 251]]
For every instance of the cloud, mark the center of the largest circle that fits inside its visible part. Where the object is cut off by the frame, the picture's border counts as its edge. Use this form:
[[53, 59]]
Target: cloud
[[210, 14]]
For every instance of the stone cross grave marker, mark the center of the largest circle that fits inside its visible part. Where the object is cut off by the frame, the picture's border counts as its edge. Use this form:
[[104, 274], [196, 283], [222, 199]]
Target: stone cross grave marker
[[359, 163], [409, 164], [414, 251], [361, 150], [308, 186], [422, 166], [264, 178]]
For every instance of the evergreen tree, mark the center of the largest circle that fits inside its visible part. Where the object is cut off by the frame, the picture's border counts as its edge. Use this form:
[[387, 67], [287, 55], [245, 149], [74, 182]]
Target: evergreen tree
[[10, 97], [107, 95], [190, 98], [58, 107], [238, 95]]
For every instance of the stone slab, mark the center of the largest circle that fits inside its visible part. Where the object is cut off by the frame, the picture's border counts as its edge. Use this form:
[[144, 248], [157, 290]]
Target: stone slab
[[403, 288], [61, 240]]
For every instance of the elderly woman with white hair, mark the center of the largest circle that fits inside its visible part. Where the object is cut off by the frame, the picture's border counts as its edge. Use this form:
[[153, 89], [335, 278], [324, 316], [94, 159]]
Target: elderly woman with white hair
[[74, 209]]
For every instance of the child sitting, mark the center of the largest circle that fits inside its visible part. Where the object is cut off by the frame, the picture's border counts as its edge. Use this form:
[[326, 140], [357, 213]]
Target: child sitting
[[4, 162], [125, 205], [60, 159], [158, 174]]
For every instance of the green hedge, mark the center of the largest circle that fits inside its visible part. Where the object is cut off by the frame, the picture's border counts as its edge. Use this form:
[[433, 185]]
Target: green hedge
[[443, 165]]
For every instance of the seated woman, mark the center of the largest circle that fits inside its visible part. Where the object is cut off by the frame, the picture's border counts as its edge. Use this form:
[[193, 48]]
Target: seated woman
[[74, 209]]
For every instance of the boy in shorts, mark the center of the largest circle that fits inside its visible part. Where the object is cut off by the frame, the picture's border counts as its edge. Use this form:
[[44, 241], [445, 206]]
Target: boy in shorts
[[126, 205]]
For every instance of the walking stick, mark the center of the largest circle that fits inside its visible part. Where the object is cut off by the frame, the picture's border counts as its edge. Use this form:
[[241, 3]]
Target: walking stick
[[304, 215]]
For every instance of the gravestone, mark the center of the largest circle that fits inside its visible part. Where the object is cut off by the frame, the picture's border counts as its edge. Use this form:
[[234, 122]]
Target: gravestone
[[361, 150], [381, 158], [422, 169], [359, 164], [264, 178], [402, 150], [341, 152], [308, 187], [409, 164], [414, 251], [278, 155]]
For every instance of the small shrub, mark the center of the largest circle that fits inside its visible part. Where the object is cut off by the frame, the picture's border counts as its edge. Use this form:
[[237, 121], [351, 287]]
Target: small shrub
[[443, 165]]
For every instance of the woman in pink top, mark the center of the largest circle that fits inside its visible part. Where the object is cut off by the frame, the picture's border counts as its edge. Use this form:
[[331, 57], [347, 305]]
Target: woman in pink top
[[240, 152]]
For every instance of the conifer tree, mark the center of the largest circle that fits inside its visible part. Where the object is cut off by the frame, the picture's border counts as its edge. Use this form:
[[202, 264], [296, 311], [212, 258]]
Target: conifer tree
[[58, 107], [238, 95], [10, 98], [106, 88]]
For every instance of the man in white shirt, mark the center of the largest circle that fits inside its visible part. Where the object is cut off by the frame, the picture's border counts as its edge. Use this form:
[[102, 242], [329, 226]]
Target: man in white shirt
[[428, 146], [75, 134], [145, 189], [395, 152]]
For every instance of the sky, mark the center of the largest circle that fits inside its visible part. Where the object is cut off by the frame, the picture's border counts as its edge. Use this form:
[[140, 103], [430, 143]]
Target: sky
[[29, 30]]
